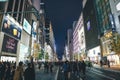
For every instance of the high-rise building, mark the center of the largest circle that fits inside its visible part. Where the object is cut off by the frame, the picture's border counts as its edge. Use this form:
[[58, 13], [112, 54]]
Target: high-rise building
[[19, 15], [69, 45], [52, 42], [91, 31], [76, 44], [108, 23], [49, 37], [11, 29], [115, 10], [79, 39]]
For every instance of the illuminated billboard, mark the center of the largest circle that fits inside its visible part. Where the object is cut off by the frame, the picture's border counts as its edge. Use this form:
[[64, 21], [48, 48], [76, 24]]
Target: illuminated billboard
[[9, 44], [11, 27], [27, 26], [88, 25], [118, 6]]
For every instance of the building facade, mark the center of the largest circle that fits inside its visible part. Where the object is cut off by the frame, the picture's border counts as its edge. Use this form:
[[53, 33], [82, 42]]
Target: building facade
[[69, 45], [108, 24], [91, 32], [17, 27]]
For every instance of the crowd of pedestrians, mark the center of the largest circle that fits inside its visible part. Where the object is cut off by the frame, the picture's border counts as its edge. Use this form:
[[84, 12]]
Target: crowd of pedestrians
[[48, 66], [9, 71], [74, 67]]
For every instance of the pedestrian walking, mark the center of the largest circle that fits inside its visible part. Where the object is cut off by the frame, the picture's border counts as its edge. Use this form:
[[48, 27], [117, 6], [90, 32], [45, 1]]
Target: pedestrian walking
[[51, 67], [80, 68], [65, 70], [12, 72], [19, 72], [83, 67], [29, 73], [108, 63], [89, 65], [39, 65], [2, 70], [101, 63], [7, 72], [76, 68]]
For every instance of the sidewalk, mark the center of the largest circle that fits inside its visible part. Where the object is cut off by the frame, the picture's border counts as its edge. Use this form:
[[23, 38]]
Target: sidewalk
[[114, 68]]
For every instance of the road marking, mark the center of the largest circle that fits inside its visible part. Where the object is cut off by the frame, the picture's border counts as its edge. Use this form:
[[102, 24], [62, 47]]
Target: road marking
[[104, 76], [97, 71], [56, 76]]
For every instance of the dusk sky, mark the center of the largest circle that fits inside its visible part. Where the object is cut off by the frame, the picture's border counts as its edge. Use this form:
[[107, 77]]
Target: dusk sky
[[62, 13]]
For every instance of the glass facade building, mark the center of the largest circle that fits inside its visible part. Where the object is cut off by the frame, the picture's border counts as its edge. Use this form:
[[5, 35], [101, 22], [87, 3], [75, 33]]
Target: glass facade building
[[106, 22], [103, 13], [90, 25]]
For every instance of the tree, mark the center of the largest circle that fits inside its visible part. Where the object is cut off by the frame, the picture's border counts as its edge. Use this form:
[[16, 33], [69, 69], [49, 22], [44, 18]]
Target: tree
[[46, 56], [115, 44], [41, 52]]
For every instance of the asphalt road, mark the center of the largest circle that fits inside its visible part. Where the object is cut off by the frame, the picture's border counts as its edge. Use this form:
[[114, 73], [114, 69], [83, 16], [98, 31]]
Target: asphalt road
[[43, 75], [101, 74], [94, 74]]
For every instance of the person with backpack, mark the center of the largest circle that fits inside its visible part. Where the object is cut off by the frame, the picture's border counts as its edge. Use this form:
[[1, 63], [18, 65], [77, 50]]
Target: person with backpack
[[65, 70]]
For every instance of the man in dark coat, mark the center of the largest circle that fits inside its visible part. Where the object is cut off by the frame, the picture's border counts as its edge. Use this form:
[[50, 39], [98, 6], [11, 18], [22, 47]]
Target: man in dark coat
[[29, 73], [83, 67]]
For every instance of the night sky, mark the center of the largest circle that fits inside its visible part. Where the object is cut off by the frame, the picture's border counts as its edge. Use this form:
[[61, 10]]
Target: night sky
[[62, 13]]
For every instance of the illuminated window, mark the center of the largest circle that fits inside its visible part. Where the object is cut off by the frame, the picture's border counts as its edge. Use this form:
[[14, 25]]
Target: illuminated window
[[118, 6]]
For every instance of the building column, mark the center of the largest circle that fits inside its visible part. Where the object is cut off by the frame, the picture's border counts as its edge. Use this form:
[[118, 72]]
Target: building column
[[18, 53]]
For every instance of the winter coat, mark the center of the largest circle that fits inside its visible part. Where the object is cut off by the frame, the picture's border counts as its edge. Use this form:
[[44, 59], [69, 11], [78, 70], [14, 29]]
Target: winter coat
[[18, 73], [29, 74]]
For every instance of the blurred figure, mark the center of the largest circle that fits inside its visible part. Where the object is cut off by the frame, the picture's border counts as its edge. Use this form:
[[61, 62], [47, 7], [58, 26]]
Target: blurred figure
[[108, 63], [19, 72], [33, 70], [51, 67], [83, 67], [80, 67], [7, 72], [76, 68], [65, 70], [29, 73], [101, 63], [12, 72], [39, 65], [1, 70], [46, 67], [89, 65]]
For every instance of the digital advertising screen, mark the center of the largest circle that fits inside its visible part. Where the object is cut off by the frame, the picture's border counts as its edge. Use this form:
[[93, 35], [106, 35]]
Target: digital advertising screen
[[11, 27], [9, 45]]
